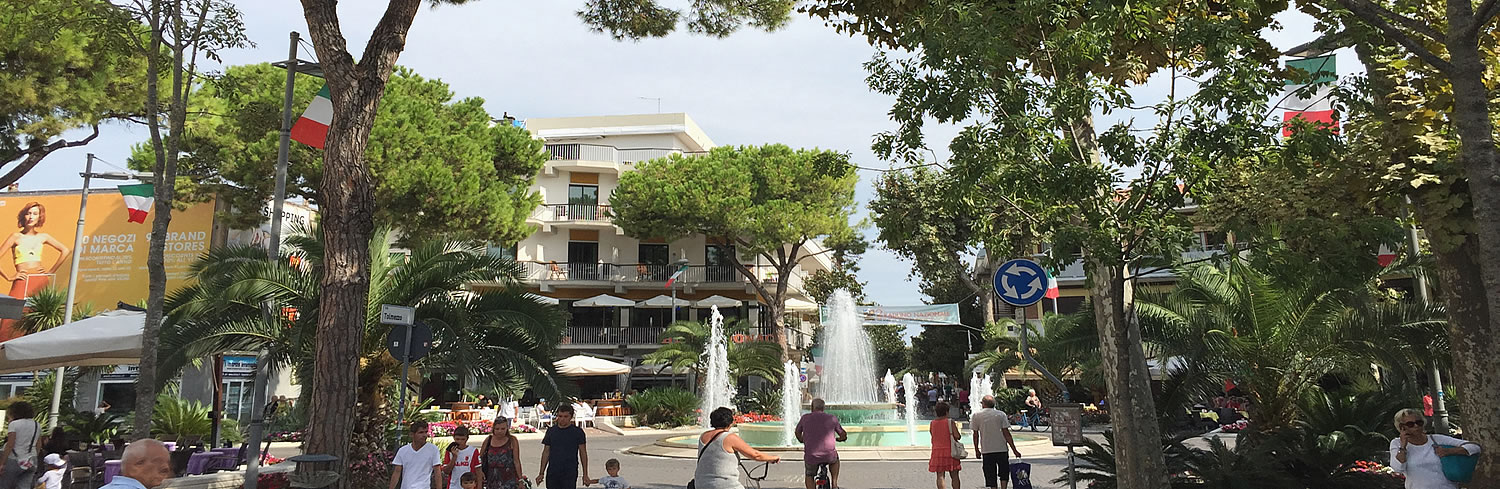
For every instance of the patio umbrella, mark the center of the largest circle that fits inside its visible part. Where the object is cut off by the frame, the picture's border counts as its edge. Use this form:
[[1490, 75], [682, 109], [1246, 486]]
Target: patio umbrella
[[587, 366], [799, 305], [718, 300], [111, 338], [604, 300], [663, 302]]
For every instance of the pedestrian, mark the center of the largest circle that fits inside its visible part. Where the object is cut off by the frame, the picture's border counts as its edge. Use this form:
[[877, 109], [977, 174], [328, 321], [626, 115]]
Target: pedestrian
[[418, 465], [144, 464], [498, 460], [56, 472], [991, 426], [1034, 405], [459, 458], [944, 434], [719, 452], [1417, 455], [613, 480], [564, 448], [819, 432], [22, 442]]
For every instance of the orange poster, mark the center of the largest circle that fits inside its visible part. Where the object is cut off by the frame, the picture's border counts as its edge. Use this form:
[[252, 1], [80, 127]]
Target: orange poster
[[37, 246]]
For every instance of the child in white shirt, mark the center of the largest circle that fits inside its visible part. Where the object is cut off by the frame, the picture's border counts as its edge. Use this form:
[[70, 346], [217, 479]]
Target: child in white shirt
[[53, 477], [613, 481]]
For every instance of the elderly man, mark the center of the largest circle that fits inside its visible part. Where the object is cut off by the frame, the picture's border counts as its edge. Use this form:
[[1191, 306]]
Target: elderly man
[[144, 465], [817, 431], [991, 437]]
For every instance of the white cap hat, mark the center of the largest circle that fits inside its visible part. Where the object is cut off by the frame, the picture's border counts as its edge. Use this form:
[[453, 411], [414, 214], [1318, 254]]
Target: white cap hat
[[53, 460]]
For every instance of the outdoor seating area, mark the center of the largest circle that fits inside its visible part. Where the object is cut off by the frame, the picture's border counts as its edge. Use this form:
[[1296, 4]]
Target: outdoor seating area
[[98, 464]]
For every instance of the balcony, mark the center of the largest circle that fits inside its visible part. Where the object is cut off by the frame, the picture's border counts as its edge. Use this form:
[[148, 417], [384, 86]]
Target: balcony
[[581, 216], [551, 273], [577, 156], [602, 335]]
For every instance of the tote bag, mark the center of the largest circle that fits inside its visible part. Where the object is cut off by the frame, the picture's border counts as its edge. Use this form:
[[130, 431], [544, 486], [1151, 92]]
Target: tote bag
[[1020, 475], [1458, 468]]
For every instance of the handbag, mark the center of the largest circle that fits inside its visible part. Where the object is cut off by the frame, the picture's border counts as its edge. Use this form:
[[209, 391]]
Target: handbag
[[1020, 475], [704, 448], [956, 449], [1458, 468], [28, 463]]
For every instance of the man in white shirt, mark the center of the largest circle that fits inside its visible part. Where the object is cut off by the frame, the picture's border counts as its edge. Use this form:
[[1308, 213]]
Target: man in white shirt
[[991, 437], [418, 465]]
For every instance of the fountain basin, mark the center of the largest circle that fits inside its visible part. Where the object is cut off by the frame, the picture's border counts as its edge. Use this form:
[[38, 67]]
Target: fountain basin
[[861, 440], [887, 434], [861, 413]]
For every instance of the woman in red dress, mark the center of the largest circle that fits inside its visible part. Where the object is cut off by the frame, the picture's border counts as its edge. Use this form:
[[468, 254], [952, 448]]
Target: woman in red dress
[[944, 432]]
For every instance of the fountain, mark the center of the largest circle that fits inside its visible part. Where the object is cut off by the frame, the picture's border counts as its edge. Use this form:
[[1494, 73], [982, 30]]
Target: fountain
[[889, 382], [978, 388], [791, 403], [911, 407], [718, 387]]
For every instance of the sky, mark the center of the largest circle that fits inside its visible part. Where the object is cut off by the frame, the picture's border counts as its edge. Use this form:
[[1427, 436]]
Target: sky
[[802, 86]]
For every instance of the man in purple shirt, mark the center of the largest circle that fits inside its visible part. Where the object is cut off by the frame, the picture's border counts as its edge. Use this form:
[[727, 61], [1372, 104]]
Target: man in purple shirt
[[816, 430]]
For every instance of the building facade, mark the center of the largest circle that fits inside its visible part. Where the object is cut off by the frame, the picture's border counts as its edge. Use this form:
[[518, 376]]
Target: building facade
[[613, 287]]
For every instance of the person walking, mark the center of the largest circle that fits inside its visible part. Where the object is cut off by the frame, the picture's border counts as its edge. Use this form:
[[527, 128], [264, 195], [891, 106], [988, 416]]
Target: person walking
[[1417, 455], [819, 432], [564, 448], [144, 464], [944, 432], [497, 463], [719, 451], [22, 442], [459, 458], [991, 426], [418, 465]]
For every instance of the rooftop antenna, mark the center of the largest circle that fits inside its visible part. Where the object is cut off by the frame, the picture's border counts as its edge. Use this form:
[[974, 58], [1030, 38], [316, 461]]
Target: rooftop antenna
[[658, 102]]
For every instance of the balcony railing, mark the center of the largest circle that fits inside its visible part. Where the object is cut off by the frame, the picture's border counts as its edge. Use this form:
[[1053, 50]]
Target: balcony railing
[[639, 272], [596, 152], [572, 212], [601, 335]]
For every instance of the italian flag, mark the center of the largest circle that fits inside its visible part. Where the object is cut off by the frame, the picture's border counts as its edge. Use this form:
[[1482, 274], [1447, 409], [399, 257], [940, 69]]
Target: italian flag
[[138, 199], [675, 275], [312, 128], [1318, 108]]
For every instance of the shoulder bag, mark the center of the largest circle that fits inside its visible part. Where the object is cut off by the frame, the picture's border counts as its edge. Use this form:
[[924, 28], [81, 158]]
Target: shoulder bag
[[701, 450], [1458, 468], [28, 463], [956, 447]]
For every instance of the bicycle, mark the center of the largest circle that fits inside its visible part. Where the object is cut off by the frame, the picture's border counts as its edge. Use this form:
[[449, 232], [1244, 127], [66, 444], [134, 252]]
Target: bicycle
[[823, 480], [764, 469], [1041, 420]]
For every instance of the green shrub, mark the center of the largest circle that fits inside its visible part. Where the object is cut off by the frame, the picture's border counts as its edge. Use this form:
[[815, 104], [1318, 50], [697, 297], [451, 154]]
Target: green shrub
[[92, 427], [764, 401], [665, 405], [177, 416]]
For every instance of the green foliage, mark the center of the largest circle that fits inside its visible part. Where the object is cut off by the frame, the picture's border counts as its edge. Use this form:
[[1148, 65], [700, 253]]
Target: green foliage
[[764, 401], [95, 427], [46, 308], [940, 349], [687, 340], [822, 283], [496, 333], [440, 166], [665, 405], [64, 68], [889, 345], [177, 416], [39, 394], [636, 19]]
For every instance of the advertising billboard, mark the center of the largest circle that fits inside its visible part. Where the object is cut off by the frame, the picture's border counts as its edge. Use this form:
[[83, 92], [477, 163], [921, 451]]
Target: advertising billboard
[[37, 247]]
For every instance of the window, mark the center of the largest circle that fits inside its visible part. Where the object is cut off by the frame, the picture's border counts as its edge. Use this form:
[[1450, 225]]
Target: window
[[583, 261], [504, 251], [719, 263], [1210, 240], [583, 201], [237, 399], [653, 262]]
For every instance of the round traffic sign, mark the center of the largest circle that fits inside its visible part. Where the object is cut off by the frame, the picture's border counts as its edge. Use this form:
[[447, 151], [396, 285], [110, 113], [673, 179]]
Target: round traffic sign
[[1021, 282], [421, 341]]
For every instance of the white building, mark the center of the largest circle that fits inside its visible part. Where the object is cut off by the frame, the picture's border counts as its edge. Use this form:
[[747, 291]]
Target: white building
[[612, 285]]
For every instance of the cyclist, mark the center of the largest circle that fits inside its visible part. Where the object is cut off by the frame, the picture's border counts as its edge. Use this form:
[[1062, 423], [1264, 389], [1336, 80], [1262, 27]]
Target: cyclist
[[817, 431], [1034, 404]]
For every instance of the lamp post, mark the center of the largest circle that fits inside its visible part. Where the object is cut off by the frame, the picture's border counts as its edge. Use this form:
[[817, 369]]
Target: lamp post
[[293, 66], [682, 264], [83, 203]]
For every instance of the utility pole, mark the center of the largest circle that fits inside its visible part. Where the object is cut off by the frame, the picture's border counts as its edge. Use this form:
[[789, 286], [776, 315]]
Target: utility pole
[[1419, 281]]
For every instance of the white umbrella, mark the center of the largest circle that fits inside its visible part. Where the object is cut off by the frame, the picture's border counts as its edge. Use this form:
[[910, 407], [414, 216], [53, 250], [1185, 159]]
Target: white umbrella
[[799, 305], [111, 338], [662, 301], [604, 300], [586, 366], [718, 300]]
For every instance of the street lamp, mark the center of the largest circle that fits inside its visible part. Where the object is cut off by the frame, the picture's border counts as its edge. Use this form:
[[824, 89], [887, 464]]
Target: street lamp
[[682, 264], [83, 203], [293, 66]]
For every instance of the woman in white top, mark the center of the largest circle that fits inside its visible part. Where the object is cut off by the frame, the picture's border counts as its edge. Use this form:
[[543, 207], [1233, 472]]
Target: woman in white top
[[22, 440], [1417, 454]]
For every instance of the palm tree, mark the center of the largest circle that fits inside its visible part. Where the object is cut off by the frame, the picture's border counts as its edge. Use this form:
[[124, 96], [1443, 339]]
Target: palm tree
[[1066, 344], [687, 340], [498, 334], [45, 310]]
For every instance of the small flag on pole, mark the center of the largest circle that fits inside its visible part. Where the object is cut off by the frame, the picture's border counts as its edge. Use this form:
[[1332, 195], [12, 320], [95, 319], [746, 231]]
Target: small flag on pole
[[1385, 257], [675, 276], [1052, 292], [312, 128], [138, 200]]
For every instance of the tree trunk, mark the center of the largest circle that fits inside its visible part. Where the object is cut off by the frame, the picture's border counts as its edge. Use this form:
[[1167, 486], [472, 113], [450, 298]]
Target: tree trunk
[[986, 299], [1473, 330], [348, 203], [1138, 448]]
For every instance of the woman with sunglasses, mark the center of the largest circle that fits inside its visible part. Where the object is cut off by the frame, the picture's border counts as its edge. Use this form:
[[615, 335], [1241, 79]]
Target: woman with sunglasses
[[1417, 454]]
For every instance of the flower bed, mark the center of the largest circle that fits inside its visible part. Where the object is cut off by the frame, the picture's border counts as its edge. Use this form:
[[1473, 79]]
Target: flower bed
[[285, 436], [756, 418], [446, 428]]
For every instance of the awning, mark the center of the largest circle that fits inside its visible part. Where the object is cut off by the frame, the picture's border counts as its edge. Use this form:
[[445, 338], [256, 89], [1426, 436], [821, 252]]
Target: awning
[[585, 366], [662, 301], [541, 298], [718, 300], [799, 305], [111, 338], [604, 300]]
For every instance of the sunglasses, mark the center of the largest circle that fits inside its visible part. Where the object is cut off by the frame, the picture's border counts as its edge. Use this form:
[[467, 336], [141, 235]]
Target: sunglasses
[[1412, 423]]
